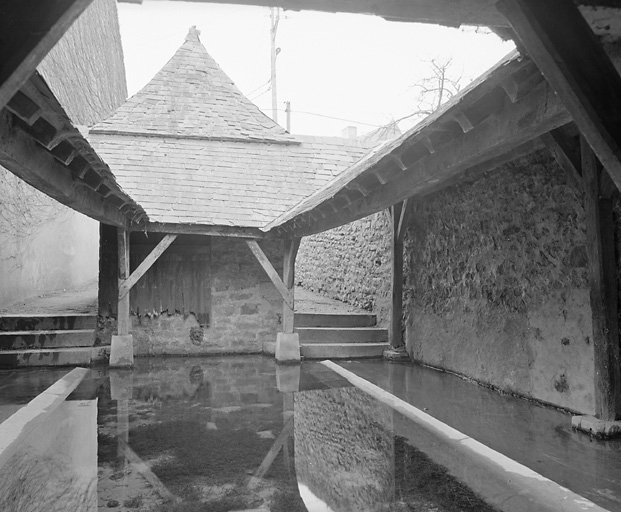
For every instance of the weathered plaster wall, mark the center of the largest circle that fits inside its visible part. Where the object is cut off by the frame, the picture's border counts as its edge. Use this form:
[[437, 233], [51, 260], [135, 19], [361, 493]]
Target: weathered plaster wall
[[351, 264], [45, 246], [245, 313], [496, 282]]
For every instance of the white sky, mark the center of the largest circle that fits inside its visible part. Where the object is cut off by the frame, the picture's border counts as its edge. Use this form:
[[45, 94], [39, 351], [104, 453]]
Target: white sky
[[355, 67]]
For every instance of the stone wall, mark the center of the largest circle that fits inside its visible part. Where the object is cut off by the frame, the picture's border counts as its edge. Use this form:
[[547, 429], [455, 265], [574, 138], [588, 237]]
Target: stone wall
[[496, 281], [245, 315], [350, 263]]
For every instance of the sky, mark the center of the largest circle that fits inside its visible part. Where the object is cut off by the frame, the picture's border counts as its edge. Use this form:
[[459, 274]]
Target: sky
[[359, 69]]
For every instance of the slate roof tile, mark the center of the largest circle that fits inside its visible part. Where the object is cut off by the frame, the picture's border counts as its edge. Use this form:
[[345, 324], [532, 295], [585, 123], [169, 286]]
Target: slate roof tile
[[190, 148]]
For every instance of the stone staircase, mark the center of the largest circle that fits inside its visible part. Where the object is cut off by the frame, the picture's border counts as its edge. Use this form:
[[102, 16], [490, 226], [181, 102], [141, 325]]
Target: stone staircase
[[339, 336], [49, 340]]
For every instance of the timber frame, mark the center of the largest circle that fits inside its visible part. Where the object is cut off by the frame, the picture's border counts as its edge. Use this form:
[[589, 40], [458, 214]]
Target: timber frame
[[513, 110]]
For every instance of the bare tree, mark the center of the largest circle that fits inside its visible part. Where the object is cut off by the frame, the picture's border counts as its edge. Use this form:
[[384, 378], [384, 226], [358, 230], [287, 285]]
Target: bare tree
[[439, 86]]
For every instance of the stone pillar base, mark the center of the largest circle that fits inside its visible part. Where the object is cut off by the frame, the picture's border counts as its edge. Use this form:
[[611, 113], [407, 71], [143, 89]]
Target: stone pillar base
[[287, 347], [396, 354], [122, 351], [596, 427]]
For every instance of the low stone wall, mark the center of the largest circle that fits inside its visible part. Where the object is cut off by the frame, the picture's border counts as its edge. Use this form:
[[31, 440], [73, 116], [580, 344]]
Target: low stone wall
[[351, 264]]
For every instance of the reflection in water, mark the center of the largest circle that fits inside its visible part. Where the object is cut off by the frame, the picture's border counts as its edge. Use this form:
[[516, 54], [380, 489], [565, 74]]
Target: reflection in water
[[347, 458], [226, 434]]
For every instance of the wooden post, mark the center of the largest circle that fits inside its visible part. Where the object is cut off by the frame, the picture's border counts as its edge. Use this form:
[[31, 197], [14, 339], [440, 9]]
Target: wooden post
[[122, 346], [603, 282], [123, 309], [398, 220], [288, 274]]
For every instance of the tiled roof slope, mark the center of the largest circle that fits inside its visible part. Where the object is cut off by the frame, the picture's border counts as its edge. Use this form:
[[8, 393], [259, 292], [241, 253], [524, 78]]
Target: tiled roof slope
[[191, 149], [228, 183], [192, 97]]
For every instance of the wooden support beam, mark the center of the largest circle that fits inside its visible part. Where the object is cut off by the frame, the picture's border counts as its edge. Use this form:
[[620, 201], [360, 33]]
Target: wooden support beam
[[402, 226], [288, 276], [25, 158], [264, 261], [123, 320], [397, 219], [603, 281], [561, 151], [147, 263], [559, 40], [30, 28], [196, 229]]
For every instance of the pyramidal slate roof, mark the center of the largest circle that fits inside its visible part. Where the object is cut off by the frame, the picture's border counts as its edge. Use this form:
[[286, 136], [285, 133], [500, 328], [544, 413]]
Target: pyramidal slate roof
[[192, 97], [190, 148]]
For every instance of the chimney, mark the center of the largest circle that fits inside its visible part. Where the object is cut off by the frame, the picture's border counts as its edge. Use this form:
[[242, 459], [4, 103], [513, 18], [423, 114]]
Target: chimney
[[349, 132]]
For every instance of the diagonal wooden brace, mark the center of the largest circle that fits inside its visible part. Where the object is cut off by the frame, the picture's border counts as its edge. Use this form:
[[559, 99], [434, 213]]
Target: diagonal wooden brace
[[286, 294], [126, 285]]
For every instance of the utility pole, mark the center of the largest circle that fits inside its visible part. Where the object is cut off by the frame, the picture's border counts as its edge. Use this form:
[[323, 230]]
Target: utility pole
[[288, 112], [275, 18]]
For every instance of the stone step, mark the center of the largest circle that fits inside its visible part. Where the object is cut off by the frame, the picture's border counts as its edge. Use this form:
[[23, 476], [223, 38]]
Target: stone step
[[22, 340], [328, 320], [342, 350], [79, 356], [51, 322], [342, 334]]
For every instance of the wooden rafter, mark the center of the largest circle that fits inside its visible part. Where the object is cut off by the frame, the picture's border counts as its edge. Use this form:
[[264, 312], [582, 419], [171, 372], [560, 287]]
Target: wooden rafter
[[30, 28], [197, 229], [493, 141], [25, 158], [126, 285], [559, 40]]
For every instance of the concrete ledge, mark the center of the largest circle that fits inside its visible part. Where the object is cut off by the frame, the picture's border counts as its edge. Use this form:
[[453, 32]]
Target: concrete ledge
[[501, 481], [287, 347], [596, 427], [122, 351], [16, 429]]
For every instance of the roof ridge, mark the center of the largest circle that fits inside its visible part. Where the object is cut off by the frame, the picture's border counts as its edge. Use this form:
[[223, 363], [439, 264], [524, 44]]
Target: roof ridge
[[192, 96]]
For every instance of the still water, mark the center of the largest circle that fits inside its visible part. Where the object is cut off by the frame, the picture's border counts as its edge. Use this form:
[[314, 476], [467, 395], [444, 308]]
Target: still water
[[230, 434]]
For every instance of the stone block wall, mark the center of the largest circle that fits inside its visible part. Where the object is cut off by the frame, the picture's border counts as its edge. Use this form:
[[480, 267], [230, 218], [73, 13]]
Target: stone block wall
[[245, 311], [496, 281], [350, 263]]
